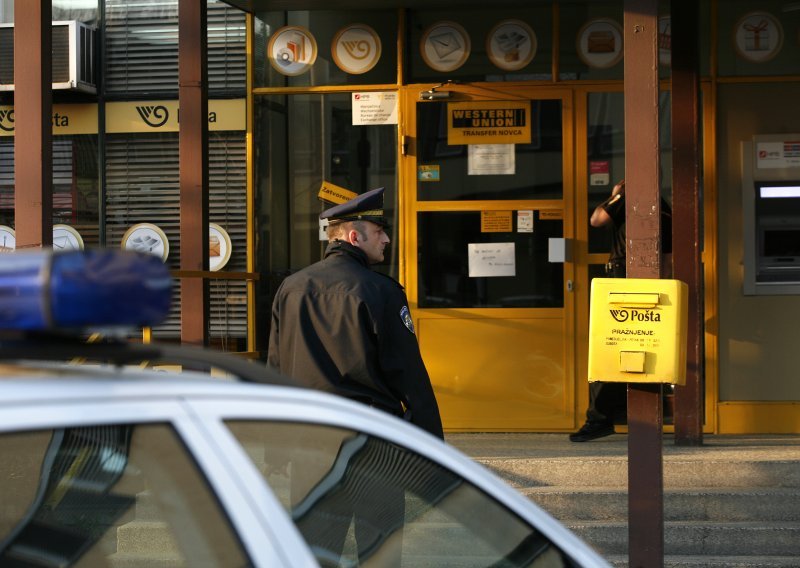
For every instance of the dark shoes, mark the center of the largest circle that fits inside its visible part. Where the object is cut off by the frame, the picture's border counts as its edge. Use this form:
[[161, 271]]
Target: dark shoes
[[592, 431]]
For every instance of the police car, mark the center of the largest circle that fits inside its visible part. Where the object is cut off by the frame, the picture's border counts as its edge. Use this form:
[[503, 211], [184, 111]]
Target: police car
[[106, 463]]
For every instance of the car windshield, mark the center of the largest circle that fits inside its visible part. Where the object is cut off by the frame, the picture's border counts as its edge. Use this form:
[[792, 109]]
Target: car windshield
[[359, 500], [101, 496]]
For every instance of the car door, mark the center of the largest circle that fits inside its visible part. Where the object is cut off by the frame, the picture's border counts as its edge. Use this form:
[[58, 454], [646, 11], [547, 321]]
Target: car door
[[365, 488], [98, 482]]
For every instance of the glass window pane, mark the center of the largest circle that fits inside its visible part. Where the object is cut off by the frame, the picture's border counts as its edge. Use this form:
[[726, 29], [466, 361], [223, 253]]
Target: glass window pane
[[591, 40], [301, 141], [538, 172], [606, 154], [360, 500], [757, 37], [104, 495], [444, 280]]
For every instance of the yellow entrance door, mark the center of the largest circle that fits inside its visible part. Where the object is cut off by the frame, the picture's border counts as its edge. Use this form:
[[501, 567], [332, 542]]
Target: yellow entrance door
[[488, 201]]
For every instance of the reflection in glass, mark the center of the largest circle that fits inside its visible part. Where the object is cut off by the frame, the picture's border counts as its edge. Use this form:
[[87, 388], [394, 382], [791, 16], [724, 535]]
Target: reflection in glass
[[362, 501], [538, 173], [100, 495], [444, 280], [301, 141]]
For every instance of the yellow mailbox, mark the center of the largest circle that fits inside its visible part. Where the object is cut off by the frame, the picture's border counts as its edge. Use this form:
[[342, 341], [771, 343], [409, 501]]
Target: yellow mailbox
[[637, 331]]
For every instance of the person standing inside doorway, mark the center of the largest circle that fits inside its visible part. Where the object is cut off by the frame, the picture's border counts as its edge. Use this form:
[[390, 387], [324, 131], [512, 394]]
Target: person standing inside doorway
[[341, 327], [608, 402]]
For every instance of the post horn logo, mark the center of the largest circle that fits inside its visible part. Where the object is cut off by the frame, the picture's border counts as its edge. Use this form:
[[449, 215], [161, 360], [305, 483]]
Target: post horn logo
[[7, 120], [357, 49], [620, 315], [154, 116]]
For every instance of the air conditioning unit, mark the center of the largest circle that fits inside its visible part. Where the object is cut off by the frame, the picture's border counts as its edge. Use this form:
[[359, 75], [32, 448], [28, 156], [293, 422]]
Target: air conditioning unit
[[74, 49]]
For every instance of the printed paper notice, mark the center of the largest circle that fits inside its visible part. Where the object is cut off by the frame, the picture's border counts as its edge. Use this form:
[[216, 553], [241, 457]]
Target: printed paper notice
[[496, 222], [783, 154], [374, 108], [491, 259], [490, 159], [525, 221]]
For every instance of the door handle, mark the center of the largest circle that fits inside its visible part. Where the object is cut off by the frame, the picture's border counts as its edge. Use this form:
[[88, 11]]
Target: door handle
[[570, 286]]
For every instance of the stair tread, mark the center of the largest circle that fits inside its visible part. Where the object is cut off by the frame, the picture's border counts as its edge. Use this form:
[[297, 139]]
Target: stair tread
[[667, 490]]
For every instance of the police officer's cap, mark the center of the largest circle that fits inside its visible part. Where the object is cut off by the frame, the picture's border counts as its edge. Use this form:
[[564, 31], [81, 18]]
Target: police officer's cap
[[366, 207]]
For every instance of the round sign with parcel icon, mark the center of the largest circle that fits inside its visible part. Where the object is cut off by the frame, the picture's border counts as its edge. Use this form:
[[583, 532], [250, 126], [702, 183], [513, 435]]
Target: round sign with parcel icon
[[292, 50]]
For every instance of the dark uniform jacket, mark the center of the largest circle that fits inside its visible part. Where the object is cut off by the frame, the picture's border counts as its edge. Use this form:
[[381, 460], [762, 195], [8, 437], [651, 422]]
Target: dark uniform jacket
[[339, 326]]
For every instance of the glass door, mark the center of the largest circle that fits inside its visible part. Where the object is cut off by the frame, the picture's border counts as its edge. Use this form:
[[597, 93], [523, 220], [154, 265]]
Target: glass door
[[488, 191]]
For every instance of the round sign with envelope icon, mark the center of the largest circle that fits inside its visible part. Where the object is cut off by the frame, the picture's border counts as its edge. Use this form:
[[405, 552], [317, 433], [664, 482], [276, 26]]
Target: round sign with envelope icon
[[599, 43], [219, 247], [66, 238], [147, 238], [511, 45], [445, 46]]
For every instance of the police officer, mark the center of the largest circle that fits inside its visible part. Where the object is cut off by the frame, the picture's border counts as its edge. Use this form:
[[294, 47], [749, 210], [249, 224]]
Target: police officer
[[341, 327]]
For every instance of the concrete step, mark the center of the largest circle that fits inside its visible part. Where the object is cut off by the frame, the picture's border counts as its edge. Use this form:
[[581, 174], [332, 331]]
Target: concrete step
[[732, 502], [128, 560], [700, 504], [700, 538], [717, 561], [146, 537], [613, 472]]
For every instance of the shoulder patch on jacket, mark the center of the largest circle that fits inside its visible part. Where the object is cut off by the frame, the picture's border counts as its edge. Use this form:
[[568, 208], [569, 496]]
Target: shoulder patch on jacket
[[405, 315]]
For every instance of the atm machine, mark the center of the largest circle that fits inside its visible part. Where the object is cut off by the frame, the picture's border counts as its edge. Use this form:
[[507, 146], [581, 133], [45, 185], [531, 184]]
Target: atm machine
[[771, 208]]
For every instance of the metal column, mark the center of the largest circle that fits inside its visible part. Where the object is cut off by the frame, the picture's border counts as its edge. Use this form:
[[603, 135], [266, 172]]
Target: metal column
[[193, 140], [643, 234], [33, 136]]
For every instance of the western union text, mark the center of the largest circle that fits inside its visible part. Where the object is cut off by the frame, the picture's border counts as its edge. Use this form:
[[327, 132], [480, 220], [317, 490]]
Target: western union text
[[489, 118]]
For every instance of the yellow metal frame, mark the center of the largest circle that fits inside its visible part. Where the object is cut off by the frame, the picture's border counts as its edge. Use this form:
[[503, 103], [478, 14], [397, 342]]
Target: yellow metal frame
[[409, 207]]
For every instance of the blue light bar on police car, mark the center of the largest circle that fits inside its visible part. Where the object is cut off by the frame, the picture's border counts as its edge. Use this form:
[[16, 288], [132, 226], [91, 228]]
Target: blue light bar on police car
[[42, 290]]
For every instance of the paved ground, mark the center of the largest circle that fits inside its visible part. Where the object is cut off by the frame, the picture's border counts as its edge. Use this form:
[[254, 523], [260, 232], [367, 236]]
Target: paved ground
[[525, 445]]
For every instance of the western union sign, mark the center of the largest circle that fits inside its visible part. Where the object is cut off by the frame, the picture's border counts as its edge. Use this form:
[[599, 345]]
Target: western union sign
[[488, 122]]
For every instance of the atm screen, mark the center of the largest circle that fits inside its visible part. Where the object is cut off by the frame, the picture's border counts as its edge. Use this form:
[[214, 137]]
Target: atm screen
[[781, 242], [778, 191]]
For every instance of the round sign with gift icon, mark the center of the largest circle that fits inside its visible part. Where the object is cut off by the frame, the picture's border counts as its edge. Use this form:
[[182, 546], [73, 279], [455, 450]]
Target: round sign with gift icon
[[292, 50], [758, 37], [511, 45]]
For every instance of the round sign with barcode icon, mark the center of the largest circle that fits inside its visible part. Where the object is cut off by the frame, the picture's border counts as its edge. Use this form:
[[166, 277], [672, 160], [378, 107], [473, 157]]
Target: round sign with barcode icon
[[292, 50]]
